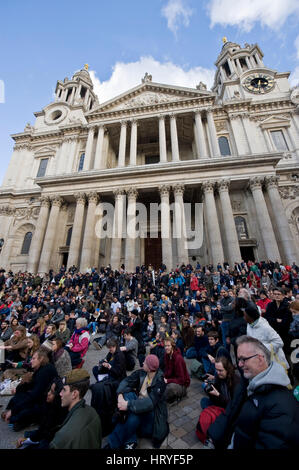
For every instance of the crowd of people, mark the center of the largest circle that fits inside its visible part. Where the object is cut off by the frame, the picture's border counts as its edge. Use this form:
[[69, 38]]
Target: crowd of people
[[237, 325]]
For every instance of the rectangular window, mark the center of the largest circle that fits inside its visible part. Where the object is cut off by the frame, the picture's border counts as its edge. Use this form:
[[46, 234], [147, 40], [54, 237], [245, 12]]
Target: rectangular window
[[150, 159], [279, 140], [42, 167], [81, 162]]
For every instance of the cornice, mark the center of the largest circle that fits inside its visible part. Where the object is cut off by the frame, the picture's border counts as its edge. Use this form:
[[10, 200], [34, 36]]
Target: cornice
[[208, 100], [161, 170]]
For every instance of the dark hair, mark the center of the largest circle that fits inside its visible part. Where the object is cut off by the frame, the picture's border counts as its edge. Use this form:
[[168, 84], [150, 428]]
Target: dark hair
[[228, 366], [279, 289], [112, 342], [128, 331], [59, 342], [252, 312], [82, 387], [213, 334]]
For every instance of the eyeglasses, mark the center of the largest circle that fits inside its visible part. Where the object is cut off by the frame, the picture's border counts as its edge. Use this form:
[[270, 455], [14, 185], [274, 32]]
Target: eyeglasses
[[244, 359]]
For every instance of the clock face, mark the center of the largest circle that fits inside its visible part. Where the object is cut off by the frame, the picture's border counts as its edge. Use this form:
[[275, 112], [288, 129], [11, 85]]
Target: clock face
[[259, 83]]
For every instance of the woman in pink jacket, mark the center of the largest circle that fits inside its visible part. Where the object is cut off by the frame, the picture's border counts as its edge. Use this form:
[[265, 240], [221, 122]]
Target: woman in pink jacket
[[79, 342]]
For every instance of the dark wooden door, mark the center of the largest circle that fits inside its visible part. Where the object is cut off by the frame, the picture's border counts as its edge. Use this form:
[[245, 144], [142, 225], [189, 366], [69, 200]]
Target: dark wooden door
[[153, 251]]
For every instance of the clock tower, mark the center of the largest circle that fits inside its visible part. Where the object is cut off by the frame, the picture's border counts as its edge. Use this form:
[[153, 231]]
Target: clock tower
[[241, 74]]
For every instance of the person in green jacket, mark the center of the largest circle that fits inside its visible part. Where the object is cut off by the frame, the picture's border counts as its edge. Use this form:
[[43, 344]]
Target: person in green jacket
[[82, 427]]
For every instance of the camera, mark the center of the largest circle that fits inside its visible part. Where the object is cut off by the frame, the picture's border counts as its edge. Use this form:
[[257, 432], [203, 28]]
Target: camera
[[205, 377], [209, 387]]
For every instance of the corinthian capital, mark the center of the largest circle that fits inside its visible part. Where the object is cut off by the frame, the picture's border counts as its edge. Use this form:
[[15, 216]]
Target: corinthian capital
[[57, 201], [80, 198], [178, 189], [256, 183], [164, 190], [44, 201], [223, 185], [92, 197], [118, 193], [208, 186], [271, 181], [132, 193]]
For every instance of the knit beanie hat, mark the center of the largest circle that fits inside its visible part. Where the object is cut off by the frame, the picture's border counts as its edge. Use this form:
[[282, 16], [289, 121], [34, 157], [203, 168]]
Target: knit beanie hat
[[152, 362]]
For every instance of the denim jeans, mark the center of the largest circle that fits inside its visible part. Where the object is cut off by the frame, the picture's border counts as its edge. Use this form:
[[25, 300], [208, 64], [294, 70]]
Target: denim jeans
[[191, 353], [126, 433], [92, 324], [224, 330], [205, 402], [208, 366]]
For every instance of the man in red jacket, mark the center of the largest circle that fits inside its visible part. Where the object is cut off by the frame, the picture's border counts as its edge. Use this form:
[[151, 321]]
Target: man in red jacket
[[175, 373]]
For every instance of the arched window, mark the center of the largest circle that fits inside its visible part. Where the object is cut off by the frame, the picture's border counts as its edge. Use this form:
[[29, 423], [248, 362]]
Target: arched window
[[241, 228], [69, 236], [224, 146], [26, 243]]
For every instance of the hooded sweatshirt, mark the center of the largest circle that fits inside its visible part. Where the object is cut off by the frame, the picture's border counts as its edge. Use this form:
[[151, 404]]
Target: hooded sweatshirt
[[273, 375], [262, 331]]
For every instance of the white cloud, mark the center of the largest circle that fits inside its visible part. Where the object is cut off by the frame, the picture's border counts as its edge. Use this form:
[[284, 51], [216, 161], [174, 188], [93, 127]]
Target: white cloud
[[245, 13], [294, 77], [128, 75], [297, 46], [176, 12]]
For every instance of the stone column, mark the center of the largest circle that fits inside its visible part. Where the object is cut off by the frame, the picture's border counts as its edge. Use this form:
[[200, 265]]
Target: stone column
[[266, 229], [130, 259], [162, 139], [89, 233], [166, 227], [38, 236], [74, 252], [246, 124], [203, 153], [50, 235], [211, 219], [72, 153], [248, 62], [133, 143], [180, 224], [232, 240], [284, 232], [213, 135], [63, 156], [117, 228], [98, 159], [88, 149], [239, 66], [174, 139], [122, 144], [231, 65]]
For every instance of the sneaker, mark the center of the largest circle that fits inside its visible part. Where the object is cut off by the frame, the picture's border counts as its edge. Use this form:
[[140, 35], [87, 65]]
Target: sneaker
[[131, 446]]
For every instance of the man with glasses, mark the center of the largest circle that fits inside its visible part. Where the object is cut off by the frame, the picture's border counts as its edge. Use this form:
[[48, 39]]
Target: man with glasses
[[263, 413]]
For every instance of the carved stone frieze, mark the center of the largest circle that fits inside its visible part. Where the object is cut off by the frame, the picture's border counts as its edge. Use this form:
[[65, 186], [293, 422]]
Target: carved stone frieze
[[289, 192], [221, 126], [6, 210], [149, 98], [27, 213]]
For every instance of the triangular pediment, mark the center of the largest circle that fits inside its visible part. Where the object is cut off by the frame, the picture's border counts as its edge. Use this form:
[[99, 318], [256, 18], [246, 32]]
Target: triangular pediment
[[275, 120], [46, 150], [150, 94]]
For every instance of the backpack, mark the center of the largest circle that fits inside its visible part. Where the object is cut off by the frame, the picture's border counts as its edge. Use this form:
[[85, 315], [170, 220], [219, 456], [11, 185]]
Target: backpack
[[206, 418], [197, 369]]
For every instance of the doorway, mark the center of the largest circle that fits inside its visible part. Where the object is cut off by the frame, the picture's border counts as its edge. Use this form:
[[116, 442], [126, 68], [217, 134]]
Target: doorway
[[153, 251], [247, 253]]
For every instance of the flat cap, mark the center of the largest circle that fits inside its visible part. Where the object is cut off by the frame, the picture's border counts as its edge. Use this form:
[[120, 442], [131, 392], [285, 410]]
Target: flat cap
[[75, 376]]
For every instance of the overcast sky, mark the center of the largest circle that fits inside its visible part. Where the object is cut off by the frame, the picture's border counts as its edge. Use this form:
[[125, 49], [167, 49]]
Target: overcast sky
[[176, 41]]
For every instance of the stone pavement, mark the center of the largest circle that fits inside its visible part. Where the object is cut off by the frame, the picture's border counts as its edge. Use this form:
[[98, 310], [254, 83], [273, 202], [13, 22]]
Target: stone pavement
[[182, 416]]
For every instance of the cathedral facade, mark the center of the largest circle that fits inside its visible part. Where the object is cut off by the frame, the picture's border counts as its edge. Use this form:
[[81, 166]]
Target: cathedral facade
[[223, 164]]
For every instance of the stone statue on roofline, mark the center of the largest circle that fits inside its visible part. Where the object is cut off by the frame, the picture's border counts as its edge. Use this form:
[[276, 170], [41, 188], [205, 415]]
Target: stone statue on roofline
[[201, 86], [147, 78]]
